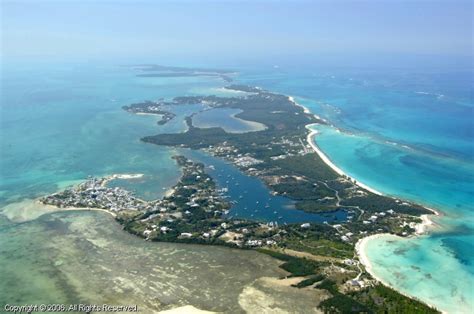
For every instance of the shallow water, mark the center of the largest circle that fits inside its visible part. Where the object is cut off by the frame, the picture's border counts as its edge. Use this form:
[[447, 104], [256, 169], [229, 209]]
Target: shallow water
[[85, 257], [61, 123], [225, 118], [408, 134], [428, 266]]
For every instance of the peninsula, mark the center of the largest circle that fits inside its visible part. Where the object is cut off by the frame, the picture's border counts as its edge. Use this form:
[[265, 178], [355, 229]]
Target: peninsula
[[196, 211]]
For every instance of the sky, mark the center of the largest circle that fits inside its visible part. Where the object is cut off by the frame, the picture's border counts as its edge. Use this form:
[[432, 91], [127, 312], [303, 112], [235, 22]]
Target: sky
[[231, 29]]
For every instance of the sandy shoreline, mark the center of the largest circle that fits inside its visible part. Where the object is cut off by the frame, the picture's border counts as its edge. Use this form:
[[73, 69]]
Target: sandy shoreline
[[127, 176], [360, 246], [328, 162], [305, 110], [60, 209], [425, 224], [426, 221], [320, 153]]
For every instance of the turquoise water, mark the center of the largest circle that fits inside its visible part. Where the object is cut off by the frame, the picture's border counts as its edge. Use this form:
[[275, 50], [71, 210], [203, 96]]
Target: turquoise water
[[437, 268], [407, 134], [225, 118], [61, 123]]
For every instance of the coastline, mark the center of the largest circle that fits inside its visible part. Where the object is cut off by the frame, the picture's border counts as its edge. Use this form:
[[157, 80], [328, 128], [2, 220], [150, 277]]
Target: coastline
[[31, 209], [60, 209], [310, 139], [360, 247], [425, 218], [305, 110], [123, 176], [328, 162]]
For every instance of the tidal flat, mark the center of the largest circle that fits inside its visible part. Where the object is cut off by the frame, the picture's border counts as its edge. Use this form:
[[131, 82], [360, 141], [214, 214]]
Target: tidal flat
[[85, 257]]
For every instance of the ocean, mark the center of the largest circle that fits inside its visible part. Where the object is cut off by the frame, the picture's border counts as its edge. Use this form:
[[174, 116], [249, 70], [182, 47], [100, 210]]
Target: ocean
[[61, 123], [406, 133]]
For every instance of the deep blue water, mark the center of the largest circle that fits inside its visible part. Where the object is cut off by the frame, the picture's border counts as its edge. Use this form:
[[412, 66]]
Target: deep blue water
[[252, 199]]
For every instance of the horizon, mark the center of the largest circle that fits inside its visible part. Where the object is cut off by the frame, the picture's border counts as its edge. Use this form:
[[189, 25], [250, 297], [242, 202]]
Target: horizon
[[346, 33]]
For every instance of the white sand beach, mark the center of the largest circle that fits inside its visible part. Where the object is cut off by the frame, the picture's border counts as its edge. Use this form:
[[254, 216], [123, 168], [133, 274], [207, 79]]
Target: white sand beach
[[312, 143], [330, 163], [305, 109], [425, 224], [361, 249], [127, 176]]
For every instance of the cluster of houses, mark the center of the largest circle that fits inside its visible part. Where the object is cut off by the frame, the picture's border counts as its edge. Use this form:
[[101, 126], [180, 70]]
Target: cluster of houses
[[231, 153], [93, 193]]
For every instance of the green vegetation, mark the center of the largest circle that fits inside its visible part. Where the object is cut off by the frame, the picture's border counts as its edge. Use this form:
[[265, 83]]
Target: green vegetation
[[373, 203], [310, 281], [294, 265], [150, 107], [376, 299], [386, 300], [309, 166], [322, 247], [340, 303], [280, 157], [195, 211]]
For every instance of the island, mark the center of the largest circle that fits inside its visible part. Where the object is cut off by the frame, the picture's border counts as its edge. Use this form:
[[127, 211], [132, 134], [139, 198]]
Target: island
[[153, 108], [323, 256], [154, 70]]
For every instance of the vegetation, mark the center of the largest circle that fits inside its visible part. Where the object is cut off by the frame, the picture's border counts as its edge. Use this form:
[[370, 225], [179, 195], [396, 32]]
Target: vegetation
[[279, 156], [339, 302], [294, 265], [310, 281]]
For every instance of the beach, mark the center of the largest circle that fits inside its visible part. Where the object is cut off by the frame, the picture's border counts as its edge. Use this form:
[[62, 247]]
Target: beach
[[323, 156], [328, 162], [361, 247], [425, 224]]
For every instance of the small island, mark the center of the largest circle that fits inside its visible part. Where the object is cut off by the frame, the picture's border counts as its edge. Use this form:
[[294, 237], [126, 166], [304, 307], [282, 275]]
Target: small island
[[154, 70], [153, 108]]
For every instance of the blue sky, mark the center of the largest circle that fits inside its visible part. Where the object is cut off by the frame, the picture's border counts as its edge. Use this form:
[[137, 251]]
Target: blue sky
[[62, 29]]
